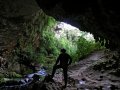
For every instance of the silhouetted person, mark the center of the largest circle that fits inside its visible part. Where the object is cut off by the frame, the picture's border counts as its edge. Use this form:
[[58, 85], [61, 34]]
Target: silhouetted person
[[64, 61]]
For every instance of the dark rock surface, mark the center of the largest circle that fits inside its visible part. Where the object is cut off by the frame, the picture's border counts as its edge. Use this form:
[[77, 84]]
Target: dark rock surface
[[97, 16]]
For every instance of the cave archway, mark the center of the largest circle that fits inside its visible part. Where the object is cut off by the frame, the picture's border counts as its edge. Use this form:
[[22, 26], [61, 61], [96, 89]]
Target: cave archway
[[101, 17]]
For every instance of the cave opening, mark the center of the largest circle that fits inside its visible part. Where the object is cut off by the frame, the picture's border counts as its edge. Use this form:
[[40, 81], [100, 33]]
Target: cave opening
[[78, 43]]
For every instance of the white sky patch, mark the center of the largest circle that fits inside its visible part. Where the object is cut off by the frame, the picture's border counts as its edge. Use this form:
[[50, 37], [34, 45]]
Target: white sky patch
[[89, 37], [66, 26]]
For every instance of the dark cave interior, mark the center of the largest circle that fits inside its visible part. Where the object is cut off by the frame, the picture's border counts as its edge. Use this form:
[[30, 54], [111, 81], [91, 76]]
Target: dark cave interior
[[21, 19]]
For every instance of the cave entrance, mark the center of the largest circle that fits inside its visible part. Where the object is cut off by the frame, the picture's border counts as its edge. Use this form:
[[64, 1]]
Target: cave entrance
[[78, 43], [66, 30]]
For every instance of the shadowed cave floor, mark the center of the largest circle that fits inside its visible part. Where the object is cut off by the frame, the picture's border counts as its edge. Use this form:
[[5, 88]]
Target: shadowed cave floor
[[82, 76]]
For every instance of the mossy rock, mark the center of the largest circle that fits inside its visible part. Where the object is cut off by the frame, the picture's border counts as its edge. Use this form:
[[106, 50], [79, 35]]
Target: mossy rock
[[1, 80], [14, 75], [1, 75]]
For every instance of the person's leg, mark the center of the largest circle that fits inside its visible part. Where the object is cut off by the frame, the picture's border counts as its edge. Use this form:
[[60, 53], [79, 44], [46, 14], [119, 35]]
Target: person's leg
[[54, 70], [65, 76]]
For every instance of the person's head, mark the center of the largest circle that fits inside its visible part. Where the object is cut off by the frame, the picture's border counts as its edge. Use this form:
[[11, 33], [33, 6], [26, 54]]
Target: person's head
[[63, 50]]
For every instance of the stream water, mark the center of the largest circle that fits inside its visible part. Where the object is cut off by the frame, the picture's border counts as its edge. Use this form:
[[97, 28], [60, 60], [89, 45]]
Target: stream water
[[21, 83]]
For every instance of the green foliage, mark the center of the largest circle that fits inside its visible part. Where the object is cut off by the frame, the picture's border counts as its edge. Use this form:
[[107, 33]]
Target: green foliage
[[36, 31], [9, 75], [84, 47], [100, 44], [1, 80], [1, 75], [70, 46], [51, 21], [41, 58], [29, 48], [14, 75], [49, 42]]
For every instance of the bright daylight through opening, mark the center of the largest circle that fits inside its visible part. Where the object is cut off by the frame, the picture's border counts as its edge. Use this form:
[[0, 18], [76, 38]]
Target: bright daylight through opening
[[77, 43], [64, 29]]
